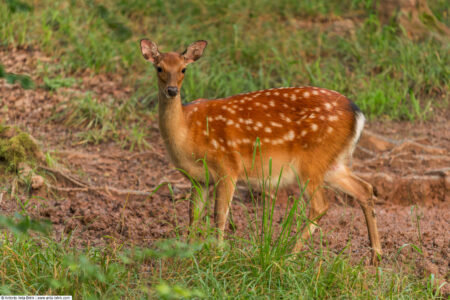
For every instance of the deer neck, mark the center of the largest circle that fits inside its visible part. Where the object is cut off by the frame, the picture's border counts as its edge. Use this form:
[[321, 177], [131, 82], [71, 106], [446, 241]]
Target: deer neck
[[172, 126]]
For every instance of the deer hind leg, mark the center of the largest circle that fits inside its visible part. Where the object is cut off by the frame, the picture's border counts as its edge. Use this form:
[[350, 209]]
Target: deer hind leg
[[318, 208], [343, 179], [224, 195]]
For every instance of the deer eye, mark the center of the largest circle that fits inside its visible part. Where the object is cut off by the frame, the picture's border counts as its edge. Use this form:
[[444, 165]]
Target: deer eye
[[159, 69], [183, 70]]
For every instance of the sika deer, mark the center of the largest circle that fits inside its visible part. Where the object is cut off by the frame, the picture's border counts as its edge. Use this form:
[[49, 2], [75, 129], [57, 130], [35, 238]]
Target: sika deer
[[307, 131]]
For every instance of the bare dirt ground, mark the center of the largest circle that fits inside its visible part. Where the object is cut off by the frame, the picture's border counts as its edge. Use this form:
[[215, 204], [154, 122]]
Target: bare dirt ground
[[408, 164]]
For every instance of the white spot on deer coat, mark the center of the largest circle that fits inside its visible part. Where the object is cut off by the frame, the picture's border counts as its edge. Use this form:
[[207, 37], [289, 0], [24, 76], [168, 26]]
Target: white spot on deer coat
[[332, 118], [214, 143], [314, 127], [289, 136]]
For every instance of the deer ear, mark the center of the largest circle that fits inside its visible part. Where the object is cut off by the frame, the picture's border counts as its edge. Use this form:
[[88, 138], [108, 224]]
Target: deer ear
[[194, 51], [150, 51]]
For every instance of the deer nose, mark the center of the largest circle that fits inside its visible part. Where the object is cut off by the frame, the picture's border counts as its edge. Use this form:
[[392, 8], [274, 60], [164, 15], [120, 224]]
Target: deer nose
[[172, 91]]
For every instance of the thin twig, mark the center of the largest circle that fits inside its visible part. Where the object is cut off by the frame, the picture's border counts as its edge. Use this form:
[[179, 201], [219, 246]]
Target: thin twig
[[64, 175], [109, 189], [145, 153]]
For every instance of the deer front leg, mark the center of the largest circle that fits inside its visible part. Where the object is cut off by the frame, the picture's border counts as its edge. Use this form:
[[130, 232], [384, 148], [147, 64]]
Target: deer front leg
[[224, 195], [318, 207], [197, 203]]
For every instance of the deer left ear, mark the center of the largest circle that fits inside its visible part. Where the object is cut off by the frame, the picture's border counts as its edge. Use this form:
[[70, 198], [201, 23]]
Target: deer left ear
[[194, 51]]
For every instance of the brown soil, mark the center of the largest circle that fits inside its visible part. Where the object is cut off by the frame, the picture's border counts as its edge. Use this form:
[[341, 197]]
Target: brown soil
[[408, 164]]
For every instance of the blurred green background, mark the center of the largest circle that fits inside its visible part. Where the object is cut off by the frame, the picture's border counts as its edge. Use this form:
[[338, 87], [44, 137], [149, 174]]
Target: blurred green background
[[341, 45]]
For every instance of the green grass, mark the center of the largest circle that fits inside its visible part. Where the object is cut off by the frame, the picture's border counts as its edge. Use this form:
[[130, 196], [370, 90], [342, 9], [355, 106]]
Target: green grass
[[94, 121], [252, 45], [32, 263], [24, 80]]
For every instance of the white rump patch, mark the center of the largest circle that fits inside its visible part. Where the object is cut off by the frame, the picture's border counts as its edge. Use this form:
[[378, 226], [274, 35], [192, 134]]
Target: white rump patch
[[360, 120]]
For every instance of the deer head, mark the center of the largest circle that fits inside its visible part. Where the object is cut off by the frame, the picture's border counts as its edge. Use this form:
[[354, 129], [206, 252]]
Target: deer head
[[171, 66]]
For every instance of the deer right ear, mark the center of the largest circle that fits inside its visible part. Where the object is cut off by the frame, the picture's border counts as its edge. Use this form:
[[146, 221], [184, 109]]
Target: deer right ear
[[150, 51]]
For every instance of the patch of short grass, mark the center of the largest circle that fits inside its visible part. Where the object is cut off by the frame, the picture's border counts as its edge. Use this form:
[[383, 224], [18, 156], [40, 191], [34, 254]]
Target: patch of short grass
[[25, 81], [94, 121]]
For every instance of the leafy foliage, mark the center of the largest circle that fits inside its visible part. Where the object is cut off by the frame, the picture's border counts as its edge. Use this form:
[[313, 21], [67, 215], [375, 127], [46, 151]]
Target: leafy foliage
[[25, 81]]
